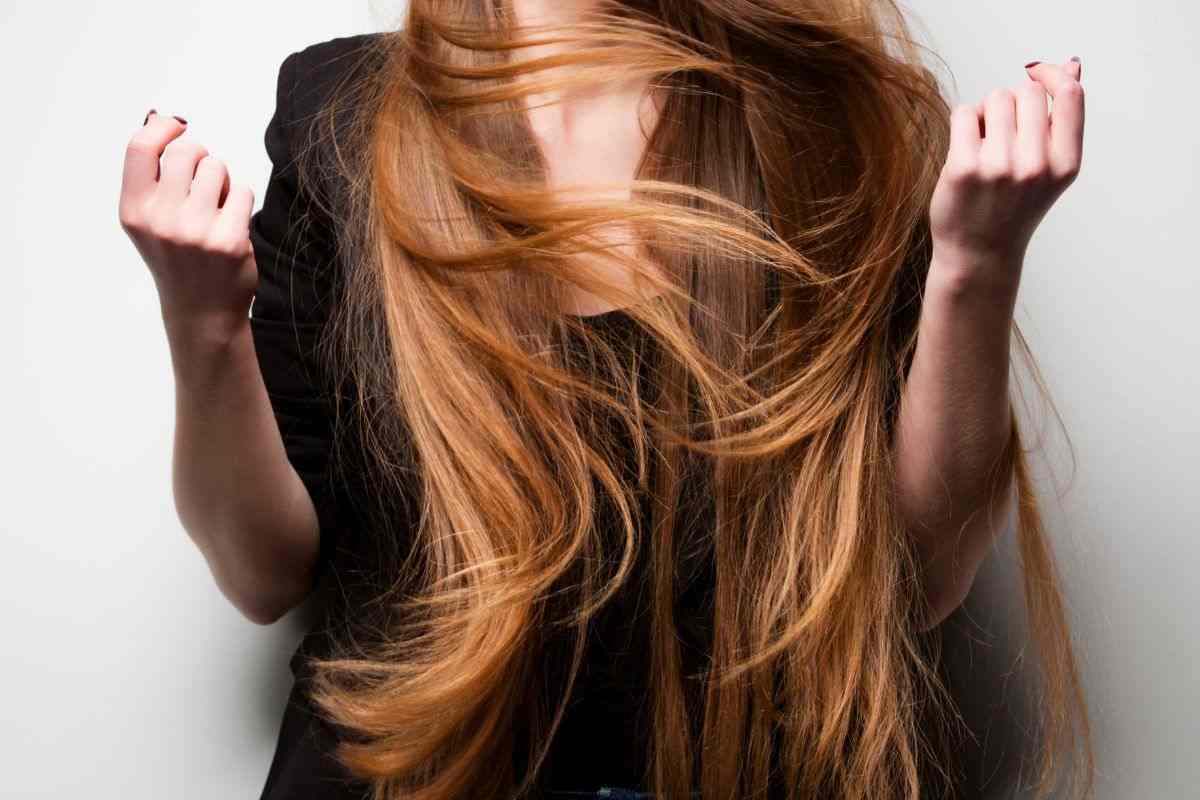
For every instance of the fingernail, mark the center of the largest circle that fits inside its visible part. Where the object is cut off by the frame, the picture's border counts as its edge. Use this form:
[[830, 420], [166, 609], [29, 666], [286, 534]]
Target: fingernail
[[182, 121], [147, 119], [1032, 64], [1076, 59]]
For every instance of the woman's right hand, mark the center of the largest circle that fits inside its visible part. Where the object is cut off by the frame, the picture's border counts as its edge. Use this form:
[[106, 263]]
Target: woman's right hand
[[190, 226]]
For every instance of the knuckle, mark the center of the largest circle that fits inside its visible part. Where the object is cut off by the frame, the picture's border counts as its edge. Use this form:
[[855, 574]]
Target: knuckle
[[242, 194], [1032, 172], [163, 228], [996, 170], [130, 223], [131, 218], [962, 171], [1071, 90], [999, 95], [192, 234], [168, 226], [1067, 170], [213, 163], [224, 246], [139, 145], [1031, 91], [183, 149]]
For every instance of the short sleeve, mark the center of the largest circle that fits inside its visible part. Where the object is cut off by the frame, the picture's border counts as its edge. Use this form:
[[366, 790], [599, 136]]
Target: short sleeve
[[295, 257]]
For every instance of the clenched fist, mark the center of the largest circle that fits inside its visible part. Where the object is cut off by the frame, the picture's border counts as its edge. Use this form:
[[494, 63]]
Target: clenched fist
[[190, 225], [1010, 159]]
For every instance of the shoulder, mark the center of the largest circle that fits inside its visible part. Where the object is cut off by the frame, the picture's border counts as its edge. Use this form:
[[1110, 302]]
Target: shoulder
[[329, 50], [315, 72], [331, 60], [315, 110]]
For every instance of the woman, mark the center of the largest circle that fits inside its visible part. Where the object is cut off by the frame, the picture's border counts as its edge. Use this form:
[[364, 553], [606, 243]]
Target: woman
[[613, 487]]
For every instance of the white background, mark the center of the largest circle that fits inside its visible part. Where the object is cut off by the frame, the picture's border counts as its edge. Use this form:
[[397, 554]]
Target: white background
[[128, 675]]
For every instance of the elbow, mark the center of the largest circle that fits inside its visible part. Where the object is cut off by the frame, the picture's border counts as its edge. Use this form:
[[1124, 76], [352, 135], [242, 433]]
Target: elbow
[[264, 614], [268, 607], [266, 588], [944, 601], [937, 614], [264, 599], [950, 564]]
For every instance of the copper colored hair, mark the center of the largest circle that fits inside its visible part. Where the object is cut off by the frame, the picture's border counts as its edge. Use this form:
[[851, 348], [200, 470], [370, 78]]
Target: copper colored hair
[[780, 214]]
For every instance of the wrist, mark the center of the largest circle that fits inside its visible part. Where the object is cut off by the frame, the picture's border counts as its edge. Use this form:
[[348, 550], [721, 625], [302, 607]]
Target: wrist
[[200, 344], [964, 275], [184, 320]]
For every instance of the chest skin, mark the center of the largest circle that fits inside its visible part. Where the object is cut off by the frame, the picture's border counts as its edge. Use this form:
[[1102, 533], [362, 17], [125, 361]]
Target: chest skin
[[591, 139]]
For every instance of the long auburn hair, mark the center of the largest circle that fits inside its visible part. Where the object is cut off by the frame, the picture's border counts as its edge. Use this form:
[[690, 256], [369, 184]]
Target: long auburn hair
[[781, 220]]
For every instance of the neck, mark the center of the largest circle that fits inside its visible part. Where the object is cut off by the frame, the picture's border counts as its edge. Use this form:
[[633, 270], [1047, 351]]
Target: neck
[[550, 12], [531, 13]]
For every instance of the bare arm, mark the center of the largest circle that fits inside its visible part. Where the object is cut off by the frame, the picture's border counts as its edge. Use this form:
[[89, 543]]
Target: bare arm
[[953, 427], [1009, 161], [237, 495]]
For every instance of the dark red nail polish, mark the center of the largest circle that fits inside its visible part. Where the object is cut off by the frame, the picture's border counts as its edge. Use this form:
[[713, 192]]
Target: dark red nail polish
[[182, 121], [147, 119], [1032, 64]]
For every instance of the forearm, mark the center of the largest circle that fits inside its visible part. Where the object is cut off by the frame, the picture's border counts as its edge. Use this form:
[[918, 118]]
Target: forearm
[[237, 495], [954, 425]]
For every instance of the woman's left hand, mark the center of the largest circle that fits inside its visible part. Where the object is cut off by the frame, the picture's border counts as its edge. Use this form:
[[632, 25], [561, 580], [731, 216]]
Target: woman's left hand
[[1009, 160]]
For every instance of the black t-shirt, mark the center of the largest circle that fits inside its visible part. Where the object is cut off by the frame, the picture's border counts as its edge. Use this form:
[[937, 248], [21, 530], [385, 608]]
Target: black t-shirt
[[603, 739]]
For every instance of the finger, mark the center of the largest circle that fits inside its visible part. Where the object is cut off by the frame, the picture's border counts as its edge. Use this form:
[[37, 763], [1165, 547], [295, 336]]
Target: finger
[[233, 221], [209, 186], [965, 132], [140, 174], [1000, 130], [179, 163], [1033, 125], [1066, 115], [1000, 117]]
